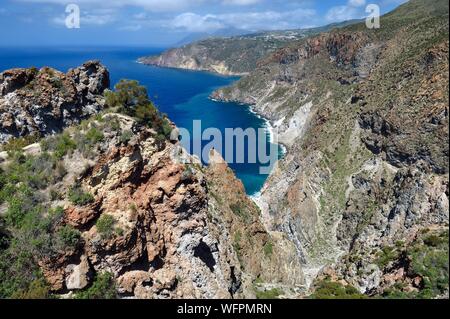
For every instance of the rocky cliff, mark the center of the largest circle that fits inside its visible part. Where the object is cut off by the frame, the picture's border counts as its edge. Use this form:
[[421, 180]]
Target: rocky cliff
[[111, 207], [160, 244], [39, 102], [363, 189]]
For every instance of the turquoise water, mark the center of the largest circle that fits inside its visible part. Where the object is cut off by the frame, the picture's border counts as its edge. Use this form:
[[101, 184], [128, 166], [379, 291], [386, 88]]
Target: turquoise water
[[182, 95]]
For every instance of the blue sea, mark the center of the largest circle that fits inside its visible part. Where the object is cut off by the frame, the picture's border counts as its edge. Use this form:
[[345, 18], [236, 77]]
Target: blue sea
[[182, 95]]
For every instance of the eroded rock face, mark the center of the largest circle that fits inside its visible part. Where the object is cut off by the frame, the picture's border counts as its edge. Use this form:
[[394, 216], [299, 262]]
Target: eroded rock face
[[366, 131], [268, 256], [40, 102], [161, 244]]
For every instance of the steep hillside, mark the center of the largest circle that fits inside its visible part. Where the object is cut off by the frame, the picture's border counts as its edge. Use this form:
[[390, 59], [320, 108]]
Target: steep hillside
[[233, 55], [363, 189], [112, 208]]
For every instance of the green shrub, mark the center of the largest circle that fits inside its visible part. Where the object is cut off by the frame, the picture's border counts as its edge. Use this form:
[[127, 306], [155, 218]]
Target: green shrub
[[430, 261], [94, 136], [435, 240], [29, 174], [114, 124], [38, 289], [31, 239], [393, 293], [17, 144], [64, 145], [240, 210], [386, 256], [67, 237], [80, 198], [103, 288], [86, 142], [166, 128], [18, 208], [105, 226], [327, 289], [132, 99], [30, 230], [268, 294], [99, 118], [237, 241], [54, 194], [160, 141], [17, 271], [125, 137], [268, 249], [128, 94]]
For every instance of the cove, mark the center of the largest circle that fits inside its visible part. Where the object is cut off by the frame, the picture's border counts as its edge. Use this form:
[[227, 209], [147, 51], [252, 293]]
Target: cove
[[182, 95]]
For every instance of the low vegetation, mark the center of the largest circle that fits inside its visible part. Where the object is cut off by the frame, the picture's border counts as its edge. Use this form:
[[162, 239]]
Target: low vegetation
[[429, 260], [33, 233], [327, 289], [132, 99], [102, 288], [268, 294], [240, 209], [17, 144], [268, 249], [386, 256], [106, 226], [60, 145], [80, 198]]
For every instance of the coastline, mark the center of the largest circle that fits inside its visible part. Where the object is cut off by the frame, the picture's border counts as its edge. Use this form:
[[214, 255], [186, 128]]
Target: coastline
[[257, 198], [270, 130], [268, 126], [141, 60]]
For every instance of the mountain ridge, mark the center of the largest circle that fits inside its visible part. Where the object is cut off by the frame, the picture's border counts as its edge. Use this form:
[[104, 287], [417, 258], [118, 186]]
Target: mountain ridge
[[236, 55]]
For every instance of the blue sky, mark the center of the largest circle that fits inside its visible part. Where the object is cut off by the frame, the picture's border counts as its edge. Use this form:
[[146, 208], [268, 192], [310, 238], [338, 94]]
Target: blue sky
[[161, 23]]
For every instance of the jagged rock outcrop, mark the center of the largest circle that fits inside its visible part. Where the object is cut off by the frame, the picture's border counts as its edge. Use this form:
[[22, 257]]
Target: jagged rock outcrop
[[161, 244], [364, 116], [39, 102]]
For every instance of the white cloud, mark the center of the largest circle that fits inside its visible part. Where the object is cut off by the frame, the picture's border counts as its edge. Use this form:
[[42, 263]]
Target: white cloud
[[140, 16], [210, 15], [88, 19], [240, 2], [356, 3], [251, 21], [340, 13], [352, 10], [195, 23], [149, 5]]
